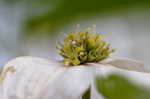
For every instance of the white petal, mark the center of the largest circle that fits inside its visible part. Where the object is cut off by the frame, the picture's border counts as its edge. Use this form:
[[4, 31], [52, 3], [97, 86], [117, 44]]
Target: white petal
[[139, 78], [128, 64], [36, 78], [30, 76], [71, 84]]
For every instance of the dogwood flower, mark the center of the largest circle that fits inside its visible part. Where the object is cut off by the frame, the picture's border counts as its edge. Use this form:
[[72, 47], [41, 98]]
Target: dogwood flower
[[37, 78]]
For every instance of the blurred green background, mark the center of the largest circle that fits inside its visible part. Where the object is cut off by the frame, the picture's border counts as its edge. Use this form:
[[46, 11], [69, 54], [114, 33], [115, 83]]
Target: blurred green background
[[31, 27]]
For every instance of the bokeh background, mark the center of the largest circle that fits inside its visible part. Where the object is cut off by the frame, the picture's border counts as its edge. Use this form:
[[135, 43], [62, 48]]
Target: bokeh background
[[32, 27]]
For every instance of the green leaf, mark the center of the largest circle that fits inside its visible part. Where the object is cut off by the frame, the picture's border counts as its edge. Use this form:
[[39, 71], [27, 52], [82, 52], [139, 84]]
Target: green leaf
[[118, 87], [87, 94]]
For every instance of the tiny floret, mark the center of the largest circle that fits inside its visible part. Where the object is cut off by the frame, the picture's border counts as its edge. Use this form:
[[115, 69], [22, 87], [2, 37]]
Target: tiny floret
[[84, 47]]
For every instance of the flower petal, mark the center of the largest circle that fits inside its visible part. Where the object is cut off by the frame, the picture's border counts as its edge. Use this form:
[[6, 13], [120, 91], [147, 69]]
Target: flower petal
[[36, 78], [125, 63], [139, 78], [29, 77], [70, 85]]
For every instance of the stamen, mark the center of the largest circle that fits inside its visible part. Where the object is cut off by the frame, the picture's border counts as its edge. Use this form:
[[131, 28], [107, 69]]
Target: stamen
[[84, 47]]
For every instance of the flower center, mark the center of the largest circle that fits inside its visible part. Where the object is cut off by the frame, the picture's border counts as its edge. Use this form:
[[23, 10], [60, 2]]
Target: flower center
[[83, 47]]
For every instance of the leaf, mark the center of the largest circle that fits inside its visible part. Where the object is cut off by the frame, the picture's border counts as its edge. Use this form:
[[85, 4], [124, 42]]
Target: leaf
[[118, 87], [87, 94]]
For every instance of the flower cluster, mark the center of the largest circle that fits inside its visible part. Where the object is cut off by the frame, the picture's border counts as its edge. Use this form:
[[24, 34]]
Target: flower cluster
[[83, 47]]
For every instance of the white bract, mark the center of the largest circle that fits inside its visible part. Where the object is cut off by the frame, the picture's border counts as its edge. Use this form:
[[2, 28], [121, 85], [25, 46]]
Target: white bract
[[37, 78]]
